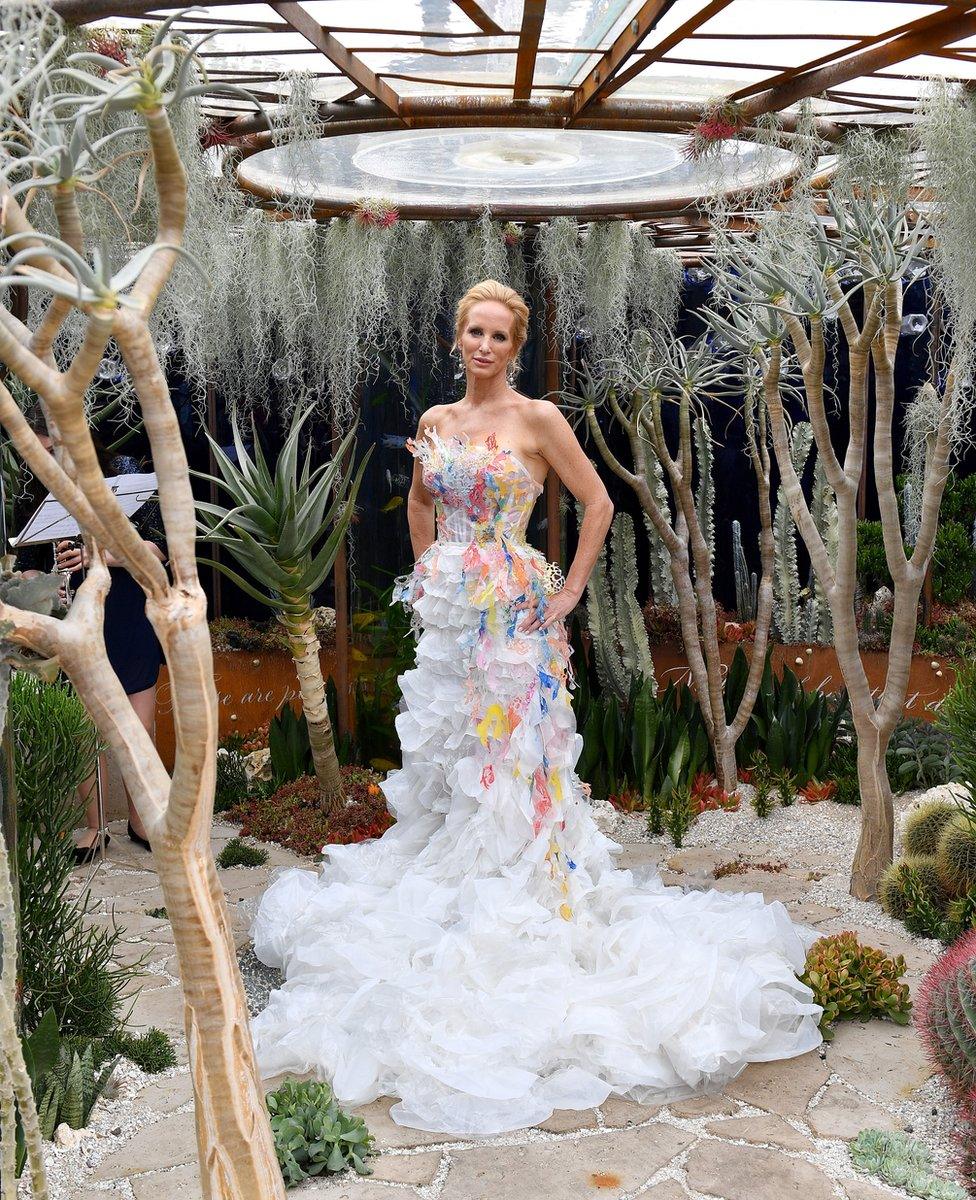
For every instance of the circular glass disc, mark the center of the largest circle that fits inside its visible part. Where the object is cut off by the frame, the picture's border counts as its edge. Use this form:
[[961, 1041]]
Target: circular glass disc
[[516, 172]]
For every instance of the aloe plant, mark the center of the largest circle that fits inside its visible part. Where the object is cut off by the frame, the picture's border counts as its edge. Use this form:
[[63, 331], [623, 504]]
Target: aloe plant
[[284, 529]]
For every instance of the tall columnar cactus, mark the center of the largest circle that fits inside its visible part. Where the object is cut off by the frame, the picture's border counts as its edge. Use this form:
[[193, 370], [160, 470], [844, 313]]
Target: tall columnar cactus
[[787, 608], [616, 623], [823, 509], [662, 583], [746, 581], [705, 489]]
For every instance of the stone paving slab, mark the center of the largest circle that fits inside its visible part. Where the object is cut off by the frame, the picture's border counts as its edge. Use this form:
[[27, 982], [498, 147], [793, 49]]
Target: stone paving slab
[[418, 1169], [353, 1189], [181, 1184], [166, 1143], [162, 1007], [576, 1169], [619, 1113], [165, 1095], [761, 1131], [882, 1060], [389, 1134], [568, 1120], [666, 1190], [785, 1087], [842, 1113], [703, 1106], [750, 1173]]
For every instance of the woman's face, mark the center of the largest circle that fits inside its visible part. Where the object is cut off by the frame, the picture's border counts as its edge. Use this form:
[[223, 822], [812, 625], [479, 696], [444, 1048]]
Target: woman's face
[[486, 340]]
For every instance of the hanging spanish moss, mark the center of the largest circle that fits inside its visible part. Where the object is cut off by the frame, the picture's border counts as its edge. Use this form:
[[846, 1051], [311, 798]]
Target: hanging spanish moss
[[608, 257], [559, 256], [875, 162], [655, 284], [295, 125], [947, 132]]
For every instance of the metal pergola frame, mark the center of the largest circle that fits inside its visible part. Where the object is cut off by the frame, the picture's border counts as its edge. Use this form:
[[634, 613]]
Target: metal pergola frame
[[589, 101]]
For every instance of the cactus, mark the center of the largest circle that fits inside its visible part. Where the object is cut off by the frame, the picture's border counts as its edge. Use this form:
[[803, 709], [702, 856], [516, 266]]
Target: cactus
[[911, 890], [746, 582], [786, 577], [945, 1016], [823, 509], [616, 623], [891, 890], [705, 491], [924, 826], [956, 855], [662, 583]]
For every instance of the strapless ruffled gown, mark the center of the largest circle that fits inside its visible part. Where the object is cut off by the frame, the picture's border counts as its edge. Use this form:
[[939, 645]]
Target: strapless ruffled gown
[[484, 961]]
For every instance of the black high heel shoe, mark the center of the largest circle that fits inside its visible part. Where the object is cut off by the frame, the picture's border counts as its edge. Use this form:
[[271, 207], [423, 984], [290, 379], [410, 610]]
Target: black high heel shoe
[[86, 854], [139, 840]]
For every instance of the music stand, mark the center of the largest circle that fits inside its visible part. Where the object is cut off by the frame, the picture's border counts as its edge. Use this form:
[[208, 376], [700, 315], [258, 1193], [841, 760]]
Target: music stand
[[51, 522]]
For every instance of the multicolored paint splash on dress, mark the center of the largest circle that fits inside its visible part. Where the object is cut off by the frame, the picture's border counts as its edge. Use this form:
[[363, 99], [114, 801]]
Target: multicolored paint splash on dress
[[517, 686]]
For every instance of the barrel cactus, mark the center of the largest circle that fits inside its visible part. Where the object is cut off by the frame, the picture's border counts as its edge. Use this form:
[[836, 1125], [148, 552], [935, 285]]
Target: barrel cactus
[[956, 855], [923, 826], [945, 1015], [892, 890]]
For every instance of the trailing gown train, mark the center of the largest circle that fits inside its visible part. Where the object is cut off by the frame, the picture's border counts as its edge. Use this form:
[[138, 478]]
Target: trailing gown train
[[484, 961]]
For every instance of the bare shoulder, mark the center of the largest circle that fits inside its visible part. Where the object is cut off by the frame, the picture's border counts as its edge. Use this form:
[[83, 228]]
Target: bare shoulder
[[547, 423], [430, 417]]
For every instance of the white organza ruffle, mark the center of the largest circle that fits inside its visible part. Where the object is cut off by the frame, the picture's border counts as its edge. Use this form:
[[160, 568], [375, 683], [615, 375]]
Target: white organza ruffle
[[438, 964]]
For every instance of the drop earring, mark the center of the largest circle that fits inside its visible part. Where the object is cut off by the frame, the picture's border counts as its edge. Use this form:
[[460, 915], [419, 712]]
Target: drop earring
[[459, 368]]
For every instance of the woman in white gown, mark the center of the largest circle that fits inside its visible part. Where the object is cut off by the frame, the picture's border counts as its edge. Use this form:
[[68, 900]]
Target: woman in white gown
[[484, 960]]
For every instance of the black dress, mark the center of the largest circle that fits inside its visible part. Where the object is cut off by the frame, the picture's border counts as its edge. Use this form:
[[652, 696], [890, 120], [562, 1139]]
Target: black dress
[[130, 641]]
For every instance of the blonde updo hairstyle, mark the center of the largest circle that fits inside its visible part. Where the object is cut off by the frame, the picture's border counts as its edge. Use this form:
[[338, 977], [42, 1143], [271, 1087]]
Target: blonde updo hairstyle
[[491, 289]]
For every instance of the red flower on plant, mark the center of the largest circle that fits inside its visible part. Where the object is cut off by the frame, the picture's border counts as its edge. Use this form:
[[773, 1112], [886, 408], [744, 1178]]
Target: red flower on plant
[[109, 45], [214, 133], [487, 775], [376, 214]]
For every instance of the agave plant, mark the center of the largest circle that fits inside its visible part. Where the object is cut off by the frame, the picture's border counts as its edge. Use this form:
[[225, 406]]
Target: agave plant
[[285, 529]]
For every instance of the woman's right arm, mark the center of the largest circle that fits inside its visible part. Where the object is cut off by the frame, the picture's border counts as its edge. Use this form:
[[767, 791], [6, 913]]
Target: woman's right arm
[[420, 503]]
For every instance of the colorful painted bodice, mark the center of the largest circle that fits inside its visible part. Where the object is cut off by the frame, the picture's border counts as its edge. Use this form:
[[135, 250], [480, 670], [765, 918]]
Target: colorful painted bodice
[[481, 493], [483, 498]]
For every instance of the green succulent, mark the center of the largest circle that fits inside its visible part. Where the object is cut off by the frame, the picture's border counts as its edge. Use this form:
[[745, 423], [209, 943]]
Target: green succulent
[[237, 853], [65, 1082], [903, 1162], [313, 1135], [277, 520]]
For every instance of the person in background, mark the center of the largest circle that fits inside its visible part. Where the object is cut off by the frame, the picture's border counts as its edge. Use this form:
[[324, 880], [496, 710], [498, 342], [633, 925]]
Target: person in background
[[133, 648]]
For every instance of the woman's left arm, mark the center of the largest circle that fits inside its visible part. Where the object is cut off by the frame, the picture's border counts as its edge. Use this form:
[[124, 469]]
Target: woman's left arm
[[558, 445]]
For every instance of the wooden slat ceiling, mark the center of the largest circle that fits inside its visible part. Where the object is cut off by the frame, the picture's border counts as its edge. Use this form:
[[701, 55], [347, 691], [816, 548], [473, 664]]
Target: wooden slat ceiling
[[654, 65]]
